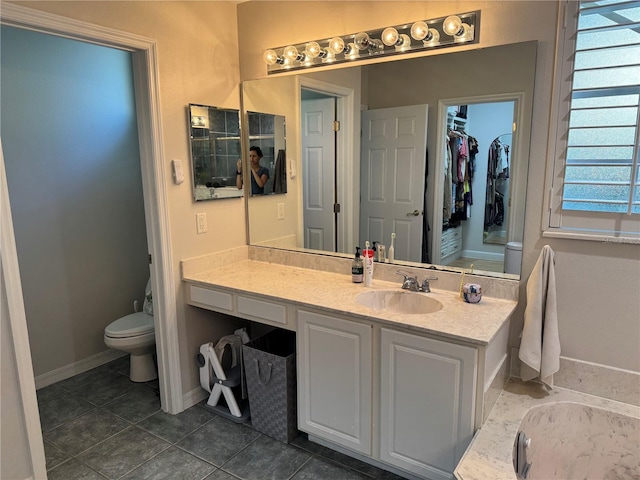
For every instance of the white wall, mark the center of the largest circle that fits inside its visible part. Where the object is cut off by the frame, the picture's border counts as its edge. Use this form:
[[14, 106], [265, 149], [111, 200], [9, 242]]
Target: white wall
[[598, 295]]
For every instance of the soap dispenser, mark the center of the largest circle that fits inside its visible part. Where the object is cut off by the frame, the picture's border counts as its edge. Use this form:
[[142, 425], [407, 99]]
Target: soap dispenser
[[357, 268]]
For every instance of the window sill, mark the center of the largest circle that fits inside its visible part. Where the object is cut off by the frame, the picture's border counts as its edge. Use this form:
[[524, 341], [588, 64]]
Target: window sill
[[591, 236]]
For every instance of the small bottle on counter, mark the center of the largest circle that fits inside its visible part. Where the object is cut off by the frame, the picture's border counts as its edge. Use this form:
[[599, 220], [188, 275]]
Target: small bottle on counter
[[368, 264], [357, 268]]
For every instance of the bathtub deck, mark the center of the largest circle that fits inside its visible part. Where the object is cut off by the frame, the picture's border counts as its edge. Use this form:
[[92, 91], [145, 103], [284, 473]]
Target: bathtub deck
[[489, 455]]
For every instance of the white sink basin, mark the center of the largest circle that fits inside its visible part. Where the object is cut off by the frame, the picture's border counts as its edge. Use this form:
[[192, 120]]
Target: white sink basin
[[399, 301]]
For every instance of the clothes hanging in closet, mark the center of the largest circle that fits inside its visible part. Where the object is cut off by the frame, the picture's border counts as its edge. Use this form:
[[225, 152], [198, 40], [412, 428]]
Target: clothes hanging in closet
[[497, 174], [459, 170]]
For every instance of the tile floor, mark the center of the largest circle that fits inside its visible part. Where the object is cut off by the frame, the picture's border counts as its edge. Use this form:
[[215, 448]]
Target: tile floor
[[99, 425]]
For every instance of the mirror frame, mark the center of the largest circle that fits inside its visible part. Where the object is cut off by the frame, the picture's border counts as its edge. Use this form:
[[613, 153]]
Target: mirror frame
[[211, 191]]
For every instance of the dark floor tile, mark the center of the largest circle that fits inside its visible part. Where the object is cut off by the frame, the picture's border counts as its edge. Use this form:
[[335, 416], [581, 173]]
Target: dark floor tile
[[53, 455], [85, 431], [137, 404], [103, 388], [73, 470], [219, 440], [61, 409], [171, 464], [123, 452], [317, 449], [320, 469], [47, 393], [267, 458], [175, 427], [221, 475], [120, 365], [80, 379]]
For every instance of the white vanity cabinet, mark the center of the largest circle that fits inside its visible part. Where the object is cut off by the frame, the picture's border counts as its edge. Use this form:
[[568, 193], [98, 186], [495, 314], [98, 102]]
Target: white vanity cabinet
[[334, 380], [427, 391], [422, 389]]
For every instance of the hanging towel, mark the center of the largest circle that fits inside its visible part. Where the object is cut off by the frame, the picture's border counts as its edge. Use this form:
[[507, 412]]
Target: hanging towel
[[540, 345]]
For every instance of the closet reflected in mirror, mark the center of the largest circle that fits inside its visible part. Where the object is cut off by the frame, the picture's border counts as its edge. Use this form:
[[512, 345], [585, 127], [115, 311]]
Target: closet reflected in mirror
[[266, 153], [214, 135], [475, 214]]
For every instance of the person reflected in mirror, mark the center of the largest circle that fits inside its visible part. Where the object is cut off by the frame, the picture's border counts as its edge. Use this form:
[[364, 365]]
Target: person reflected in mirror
[[259, 174]]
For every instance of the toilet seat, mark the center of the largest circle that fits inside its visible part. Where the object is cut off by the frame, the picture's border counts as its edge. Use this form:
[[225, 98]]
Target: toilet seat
[[133, 325]]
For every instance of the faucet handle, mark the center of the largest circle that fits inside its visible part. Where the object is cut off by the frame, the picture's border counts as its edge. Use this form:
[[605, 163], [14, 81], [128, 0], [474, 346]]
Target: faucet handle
[[425, 284], [409, 283]]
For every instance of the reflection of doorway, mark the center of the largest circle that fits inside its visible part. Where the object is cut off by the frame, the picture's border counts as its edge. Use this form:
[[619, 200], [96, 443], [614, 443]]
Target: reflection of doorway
[[154, 191], [485, 119], [394, 144], [319, 171], [345, 207]]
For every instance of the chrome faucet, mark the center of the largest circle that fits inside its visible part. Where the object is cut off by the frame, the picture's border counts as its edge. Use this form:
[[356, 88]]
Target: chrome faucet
[[411, 283]]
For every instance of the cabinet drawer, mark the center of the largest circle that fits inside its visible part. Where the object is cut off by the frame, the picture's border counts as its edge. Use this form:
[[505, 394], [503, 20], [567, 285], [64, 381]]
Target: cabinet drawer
[[211, 298], [261, 309]]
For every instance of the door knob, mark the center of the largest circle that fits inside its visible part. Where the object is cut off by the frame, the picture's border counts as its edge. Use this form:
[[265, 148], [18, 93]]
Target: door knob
[[415, 213]]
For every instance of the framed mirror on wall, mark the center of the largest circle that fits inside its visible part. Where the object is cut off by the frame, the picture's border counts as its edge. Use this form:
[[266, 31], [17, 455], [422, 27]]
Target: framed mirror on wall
[[266, 152], [216, 147]]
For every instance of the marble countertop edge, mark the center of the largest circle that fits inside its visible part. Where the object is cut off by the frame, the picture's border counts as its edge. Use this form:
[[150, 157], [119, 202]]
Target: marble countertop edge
[[335, 293]]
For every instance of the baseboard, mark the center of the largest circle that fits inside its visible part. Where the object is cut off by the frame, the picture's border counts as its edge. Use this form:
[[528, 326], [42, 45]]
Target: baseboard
[[592, 378], [496, 257], [193, 397], [75, 368]]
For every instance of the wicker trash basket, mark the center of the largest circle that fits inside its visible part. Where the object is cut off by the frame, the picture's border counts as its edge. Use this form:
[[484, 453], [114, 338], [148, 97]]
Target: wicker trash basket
[[270, 370]]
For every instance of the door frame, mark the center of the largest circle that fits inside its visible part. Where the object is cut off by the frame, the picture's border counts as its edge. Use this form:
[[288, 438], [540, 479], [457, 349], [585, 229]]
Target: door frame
[[518, 170], [348, 158], [154, 186]]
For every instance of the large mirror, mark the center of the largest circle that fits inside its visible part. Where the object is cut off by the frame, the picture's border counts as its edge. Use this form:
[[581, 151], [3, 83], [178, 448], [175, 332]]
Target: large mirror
[[214, 135], [383, 170], [266, 153]]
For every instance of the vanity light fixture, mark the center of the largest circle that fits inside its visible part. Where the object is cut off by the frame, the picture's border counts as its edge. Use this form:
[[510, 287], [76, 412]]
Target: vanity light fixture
[[417, 36]]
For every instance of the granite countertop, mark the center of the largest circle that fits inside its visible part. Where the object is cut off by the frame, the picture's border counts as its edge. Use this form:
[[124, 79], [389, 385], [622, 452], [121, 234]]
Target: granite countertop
[[336, 294], [489, 456]]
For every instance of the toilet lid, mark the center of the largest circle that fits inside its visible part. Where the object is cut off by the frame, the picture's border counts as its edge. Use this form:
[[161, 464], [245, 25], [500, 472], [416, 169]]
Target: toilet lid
[[132, 325]]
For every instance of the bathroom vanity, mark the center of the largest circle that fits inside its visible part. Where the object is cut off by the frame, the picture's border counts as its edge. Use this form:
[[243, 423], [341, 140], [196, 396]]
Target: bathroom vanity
[[405, 391]]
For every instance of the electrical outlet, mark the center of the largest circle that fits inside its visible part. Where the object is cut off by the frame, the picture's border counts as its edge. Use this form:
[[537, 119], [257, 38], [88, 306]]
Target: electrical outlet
[[280, 211], [201, 222]]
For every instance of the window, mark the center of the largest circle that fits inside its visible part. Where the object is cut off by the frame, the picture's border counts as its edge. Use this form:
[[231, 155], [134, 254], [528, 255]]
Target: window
[[596, 181]]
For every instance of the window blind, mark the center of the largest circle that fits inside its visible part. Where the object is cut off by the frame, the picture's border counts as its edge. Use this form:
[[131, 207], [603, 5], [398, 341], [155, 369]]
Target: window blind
[[601, 167]]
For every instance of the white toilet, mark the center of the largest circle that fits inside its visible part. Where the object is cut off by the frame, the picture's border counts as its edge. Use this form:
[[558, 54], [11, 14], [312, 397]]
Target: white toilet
[[135, 334]]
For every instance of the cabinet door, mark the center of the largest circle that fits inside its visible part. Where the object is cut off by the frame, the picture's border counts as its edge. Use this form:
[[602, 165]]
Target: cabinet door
[[334, 380], [427, 403]]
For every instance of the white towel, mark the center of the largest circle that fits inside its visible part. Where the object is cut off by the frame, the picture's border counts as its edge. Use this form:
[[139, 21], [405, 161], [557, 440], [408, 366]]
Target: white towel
[[540, 345]]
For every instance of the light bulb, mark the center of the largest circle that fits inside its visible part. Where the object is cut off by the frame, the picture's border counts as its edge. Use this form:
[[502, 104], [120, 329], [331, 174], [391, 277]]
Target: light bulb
[[362, 41], [292, 54], [336, 45], [405, 42], [270, 57], [432, 38], [465, 34], [452, 25], [419, 30], [351, 50], [390, 36], [313, 49]]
